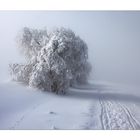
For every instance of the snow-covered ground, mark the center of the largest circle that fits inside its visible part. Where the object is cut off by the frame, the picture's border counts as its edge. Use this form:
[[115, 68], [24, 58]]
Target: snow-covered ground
[[93, 106]]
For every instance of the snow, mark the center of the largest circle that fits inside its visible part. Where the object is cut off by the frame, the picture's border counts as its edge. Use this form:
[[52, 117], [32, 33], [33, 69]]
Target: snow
[[97, 105]]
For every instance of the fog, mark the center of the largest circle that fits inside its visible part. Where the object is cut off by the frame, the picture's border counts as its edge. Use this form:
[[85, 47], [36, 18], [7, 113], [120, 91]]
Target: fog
[[112, 39]]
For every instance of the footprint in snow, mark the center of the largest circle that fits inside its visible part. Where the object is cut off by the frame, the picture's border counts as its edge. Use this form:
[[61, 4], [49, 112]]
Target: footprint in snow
[[54, 127], [52, 113]]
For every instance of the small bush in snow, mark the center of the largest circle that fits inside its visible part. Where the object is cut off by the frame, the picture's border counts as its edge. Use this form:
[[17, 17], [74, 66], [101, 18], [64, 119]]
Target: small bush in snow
[[55, 61]]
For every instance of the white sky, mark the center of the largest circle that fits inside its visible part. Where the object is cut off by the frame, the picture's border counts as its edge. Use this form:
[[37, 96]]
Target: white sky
[[112, 38]]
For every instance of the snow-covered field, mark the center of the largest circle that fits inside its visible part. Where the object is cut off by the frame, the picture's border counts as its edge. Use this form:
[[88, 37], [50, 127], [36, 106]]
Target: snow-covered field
[[93, 106]]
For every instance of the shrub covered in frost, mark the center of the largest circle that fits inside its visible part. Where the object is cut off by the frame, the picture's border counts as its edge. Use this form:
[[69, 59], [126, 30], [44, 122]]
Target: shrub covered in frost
[[55, 61]]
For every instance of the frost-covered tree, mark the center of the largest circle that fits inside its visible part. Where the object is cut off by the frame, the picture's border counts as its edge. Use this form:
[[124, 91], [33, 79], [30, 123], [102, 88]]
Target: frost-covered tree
[[30, 41], [55, 61]]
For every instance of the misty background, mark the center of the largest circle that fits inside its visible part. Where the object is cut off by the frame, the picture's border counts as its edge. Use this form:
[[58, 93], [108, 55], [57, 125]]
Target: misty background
[[113, 39]]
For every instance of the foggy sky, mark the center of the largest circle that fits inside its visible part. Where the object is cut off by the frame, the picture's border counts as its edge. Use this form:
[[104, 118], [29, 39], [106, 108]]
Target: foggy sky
[[112, 39]]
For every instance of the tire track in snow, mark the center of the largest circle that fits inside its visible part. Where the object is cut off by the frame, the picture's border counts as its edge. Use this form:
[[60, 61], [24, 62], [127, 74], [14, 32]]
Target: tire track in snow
[[135, 123], [116, 116]]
